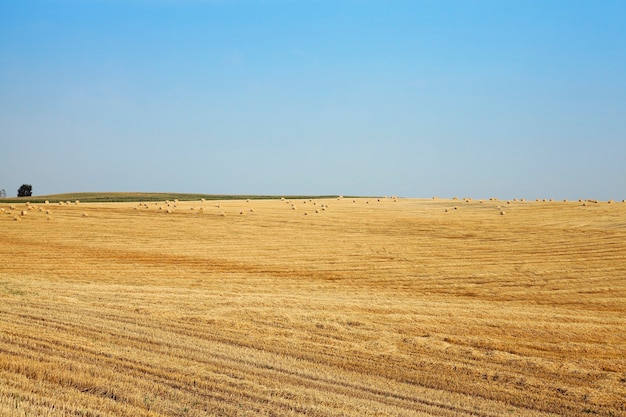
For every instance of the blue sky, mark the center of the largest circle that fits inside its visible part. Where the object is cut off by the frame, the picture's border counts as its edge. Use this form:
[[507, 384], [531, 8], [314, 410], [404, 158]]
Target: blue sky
[[365, 97]]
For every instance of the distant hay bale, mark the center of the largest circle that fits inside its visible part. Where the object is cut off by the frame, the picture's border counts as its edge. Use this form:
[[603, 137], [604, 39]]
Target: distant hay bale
[[23, 213], [445, 210], [49, 218], [169, 211], [85, 214], [201, 210], [202, 200], [317, 211], [251, 210], [502, 213], [48, 212], [293, 207], [46, 202], [585, 204], [243, 213], [247, 200], [223, 214], [306, 214], [12, 207], [610, 201], [455, 198], [17, 218], [455, 207], [77, 202]]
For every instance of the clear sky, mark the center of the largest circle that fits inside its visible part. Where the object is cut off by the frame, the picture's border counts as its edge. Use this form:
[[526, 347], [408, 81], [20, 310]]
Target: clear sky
[[515, 98]]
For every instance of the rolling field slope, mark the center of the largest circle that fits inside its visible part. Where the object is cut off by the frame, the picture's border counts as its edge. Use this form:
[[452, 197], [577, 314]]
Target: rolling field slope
[[336, 307]]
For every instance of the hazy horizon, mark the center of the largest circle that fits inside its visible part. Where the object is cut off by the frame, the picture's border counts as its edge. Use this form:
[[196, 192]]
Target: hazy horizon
[[510, 99]]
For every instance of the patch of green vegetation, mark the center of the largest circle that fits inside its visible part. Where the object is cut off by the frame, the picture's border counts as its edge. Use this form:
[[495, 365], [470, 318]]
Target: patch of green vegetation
[[12, 291]]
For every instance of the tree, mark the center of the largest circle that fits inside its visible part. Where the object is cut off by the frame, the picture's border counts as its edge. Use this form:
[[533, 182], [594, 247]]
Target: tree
[[26, 190]]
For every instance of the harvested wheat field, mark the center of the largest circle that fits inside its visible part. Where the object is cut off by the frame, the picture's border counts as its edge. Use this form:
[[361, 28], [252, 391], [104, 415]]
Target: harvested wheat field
[[335, 307]]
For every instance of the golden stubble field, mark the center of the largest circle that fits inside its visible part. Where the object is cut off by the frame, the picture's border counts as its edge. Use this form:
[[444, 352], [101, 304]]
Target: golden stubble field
[[360, 307]]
